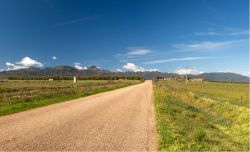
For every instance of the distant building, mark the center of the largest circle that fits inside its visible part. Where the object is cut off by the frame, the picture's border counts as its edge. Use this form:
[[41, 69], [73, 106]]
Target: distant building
[[51, 79], [169, 78], [180, 78], [198, 79]]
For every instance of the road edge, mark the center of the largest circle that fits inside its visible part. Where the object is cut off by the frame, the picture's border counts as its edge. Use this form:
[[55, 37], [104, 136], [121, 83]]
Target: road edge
[[151, 126]]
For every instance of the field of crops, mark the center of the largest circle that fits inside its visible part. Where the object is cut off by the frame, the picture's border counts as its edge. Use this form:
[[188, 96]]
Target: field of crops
[[202, 116], [19, 95]]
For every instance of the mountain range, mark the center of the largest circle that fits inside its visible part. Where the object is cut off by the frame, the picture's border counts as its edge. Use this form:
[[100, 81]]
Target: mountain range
[[93, 70]]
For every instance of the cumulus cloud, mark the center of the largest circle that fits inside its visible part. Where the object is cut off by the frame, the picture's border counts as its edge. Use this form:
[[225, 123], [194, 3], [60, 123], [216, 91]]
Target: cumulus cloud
[[135, 68], [25, 62], [132, 67], [28, 62], [79, 66], [54, 57], [187, 71], [119, 70], [11, 66]]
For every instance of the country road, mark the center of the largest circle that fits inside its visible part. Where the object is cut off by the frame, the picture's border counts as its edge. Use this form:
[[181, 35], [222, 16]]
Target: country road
[[122, 119]]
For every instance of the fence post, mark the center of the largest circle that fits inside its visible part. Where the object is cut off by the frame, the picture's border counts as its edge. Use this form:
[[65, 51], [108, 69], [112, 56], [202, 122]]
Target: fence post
[[241, 100]]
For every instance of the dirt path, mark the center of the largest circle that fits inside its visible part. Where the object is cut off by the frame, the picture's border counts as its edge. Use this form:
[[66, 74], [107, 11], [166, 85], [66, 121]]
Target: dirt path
[[122, 119]]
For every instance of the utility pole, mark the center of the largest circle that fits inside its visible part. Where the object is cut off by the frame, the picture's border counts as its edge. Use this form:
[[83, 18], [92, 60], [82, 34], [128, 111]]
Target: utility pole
[[186, 74]]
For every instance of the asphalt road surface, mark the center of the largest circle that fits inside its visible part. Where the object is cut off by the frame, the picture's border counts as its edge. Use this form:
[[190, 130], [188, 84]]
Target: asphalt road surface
[[119, 120]]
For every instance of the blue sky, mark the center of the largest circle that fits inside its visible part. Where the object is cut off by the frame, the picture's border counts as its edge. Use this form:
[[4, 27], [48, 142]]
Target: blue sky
[[135, 35]]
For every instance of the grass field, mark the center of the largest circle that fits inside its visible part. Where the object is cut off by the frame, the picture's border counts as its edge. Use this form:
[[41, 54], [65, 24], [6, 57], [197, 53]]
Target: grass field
[[202, 116], [21, 95]]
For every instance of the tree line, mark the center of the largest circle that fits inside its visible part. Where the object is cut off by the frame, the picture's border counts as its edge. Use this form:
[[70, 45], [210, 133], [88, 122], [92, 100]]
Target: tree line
[[78, 78]]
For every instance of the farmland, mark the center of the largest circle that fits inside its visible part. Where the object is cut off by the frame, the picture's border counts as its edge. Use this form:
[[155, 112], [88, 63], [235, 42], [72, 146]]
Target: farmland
[[202, 116], [20, 95]]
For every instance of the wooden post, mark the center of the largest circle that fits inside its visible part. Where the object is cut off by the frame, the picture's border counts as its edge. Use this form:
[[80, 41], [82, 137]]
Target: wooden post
[[241, 100], [186, 74], [74, 79]]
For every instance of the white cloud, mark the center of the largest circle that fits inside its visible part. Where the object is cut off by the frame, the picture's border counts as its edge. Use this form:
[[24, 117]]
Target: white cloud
[[25, 62], [152, 70], [119, 70], [178, 59], [54, 57], [77, 63], [134, 53], [133, 67], [208, 45], [245, 73], [28, 62], [187, 71], [79, 66], [11, 66], [139, 52]]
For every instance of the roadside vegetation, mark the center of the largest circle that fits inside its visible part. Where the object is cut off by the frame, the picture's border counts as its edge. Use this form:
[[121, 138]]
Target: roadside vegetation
[[208, 116], [20, 95]]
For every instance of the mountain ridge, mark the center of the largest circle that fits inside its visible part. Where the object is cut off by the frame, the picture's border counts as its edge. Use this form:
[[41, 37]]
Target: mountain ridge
[[94, 70]]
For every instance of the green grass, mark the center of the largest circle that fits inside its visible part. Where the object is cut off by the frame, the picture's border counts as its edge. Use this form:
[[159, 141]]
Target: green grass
[[18, 96], [195, 119]]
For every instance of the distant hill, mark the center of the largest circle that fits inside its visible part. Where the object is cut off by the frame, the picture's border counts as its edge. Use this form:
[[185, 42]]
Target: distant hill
[[52, 71], [221, 76], [93, 70]]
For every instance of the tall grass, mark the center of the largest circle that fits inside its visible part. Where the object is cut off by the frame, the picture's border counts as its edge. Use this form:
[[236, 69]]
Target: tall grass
[[207, 116]]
